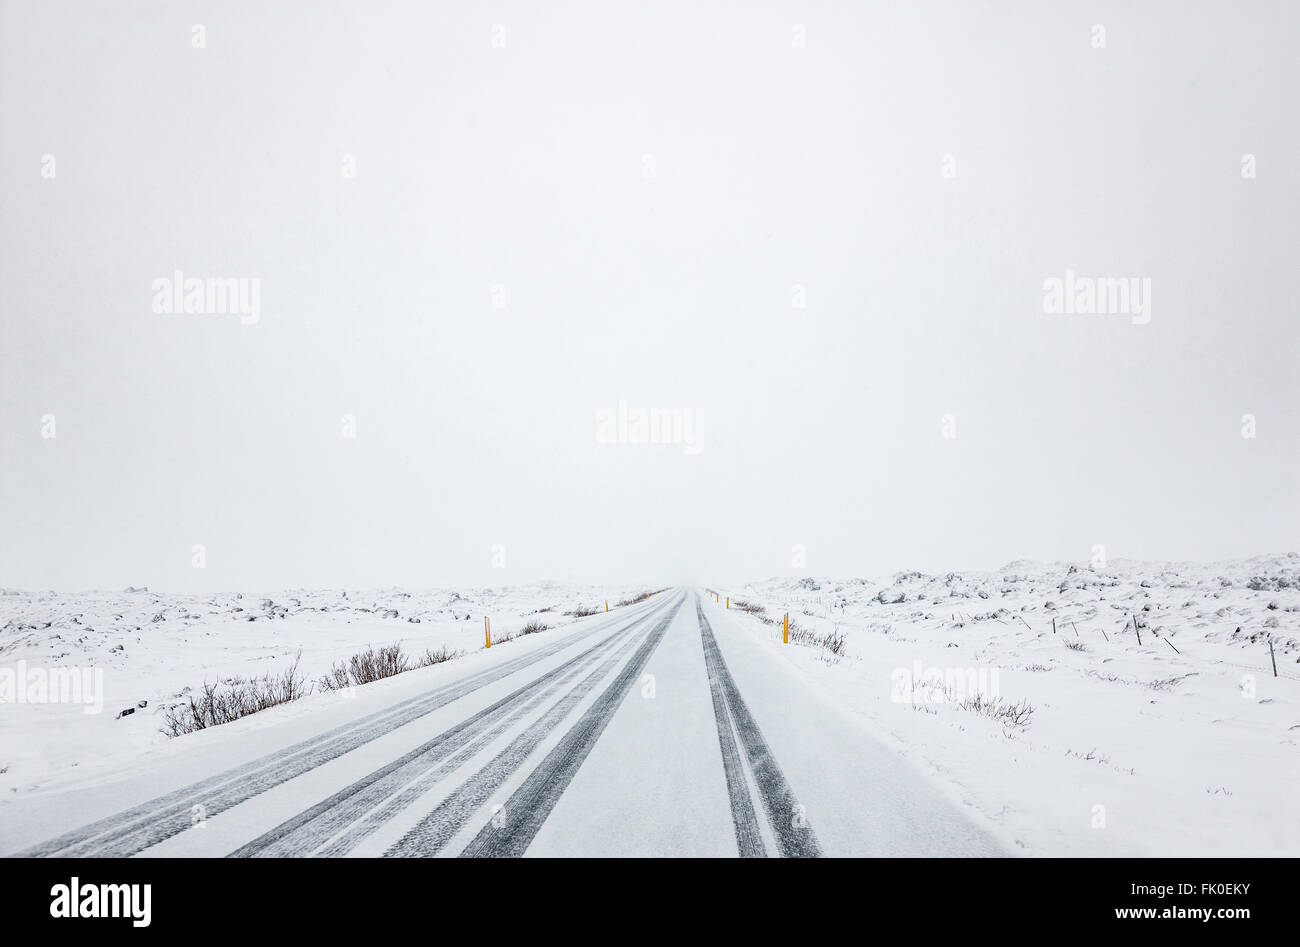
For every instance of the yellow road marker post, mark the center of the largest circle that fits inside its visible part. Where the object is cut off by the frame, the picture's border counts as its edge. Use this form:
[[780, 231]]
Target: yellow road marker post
[[487, 631], [787, 628]]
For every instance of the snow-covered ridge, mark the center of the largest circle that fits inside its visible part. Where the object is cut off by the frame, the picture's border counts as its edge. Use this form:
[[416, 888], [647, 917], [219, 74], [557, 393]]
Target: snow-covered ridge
[[1236, 602]]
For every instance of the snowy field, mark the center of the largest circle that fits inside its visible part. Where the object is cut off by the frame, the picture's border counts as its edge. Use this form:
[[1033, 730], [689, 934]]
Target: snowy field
[[1073, 740], [1183, 745], [158, 649]]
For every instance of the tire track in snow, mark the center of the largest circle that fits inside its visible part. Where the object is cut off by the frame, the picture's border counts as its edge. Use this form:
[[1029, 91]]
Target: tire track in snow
[[135, 829], [366, 826], [749, 839], [436, 829], [783, 811], [342, 811], [530, 805]]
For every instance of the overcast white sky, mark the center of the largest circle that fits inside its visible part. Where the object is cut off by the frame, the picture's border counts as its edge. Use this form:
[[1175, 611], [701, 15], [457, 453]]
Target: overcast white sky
[[523, 167]]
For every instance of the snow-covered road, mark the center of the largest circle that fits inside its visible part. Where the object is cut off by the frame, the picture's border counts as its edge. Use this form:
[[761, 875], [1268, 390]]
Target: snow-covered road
[[659, 729]]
